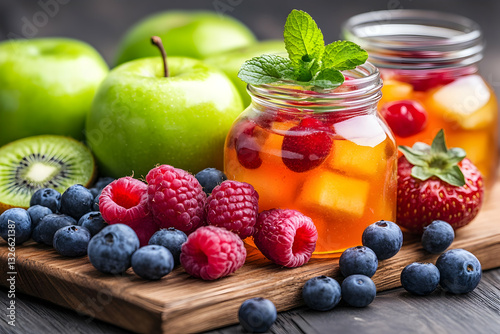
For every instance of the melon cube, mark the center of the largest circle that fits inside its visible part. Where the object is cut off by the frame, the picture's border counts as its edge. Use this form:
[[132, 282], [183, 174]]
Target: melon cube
[[335, 193], [394, 90]]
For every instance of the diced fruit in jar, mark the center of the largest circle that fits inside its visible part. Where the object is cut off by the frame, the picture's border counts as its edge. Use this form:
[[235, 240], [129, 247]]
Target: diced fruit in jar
[[464, 102], [335, 193], [356, 160], [405, 117], [395, 90]]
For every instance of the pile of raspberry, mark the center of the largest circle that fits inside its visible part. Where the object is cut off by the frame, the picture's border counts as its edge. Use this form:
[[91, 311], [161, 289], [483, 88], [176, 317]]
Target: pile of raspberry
[[215, 224]]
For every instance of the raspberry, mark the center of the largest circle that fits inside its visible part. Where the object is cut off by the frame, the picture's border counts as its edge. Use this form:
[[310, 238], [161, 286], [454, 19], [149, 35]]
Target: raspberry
[[212, 252], [306, 145], [176, 198], [234, 206], [125, 201], [286, 237]]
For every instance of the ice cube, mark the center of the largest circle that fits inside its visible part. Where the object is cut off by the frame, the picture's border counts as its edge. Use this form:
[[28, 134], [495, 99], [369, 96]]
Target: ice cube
[[466, 101], [364, 130], [335, 193]]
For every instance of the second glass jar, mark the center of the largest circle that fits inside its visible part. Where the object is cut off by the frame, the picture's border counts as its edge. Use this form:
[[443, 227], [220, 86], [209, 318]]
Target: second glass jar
[[327, 154]]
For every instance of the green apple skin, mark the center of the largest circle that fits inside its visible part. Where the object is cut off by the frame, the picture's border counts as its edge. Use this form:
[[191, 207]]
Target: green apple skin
[[195, 34], [47, 86], [230, 62], [140, 119]]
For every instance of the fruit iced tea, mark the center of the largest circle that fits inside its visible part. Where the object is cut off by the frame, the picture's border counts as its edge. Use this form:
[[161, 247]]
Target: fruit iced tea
[[429, 64], [328, 155]]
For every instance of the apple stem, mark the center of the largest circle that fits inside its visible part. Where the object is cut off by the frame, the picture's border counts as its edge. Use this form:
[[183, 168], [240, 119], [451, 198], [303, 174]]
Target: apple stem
[[157, 41]]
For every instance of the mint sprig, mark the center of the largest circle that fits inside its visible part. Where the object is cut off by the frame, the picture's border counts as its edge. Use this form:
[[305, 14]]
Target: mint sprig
[[435, 160], [309, 60]]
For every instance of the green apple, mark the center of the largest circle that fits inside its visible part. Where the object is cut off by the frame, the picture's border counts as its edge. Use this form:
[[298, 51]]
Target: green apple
[[140, 118], [231, 61], [47, 86], [195, 34]]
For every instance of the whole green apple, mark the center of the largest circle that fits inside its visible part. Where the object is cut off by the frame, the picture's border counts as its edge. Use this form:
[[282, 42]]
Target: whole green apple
[[47, 86], [231, 61], [140, 118], [196, 34]]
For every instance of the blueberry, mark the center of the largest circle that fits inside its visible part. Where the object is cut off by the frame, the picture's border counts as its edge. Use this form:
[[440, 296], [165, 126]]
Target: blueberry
[[45, 230], [110, 251], [47, 197], [152, 262], [15, 224], [257, 315], [102, 182], [95, 203], [209, 178], [437, 236], [460, 271], [94, 192], [93, 222], [420, 278], [171, 239], [37, 212], [358, 290], [358, 260], [321, 293], [71, 240], [76, 201], [384, 238]]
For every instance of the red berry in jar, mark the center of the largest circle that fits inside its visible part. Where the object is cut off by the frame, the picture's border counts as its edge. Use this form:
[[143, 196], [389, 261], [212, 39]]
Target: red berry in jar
[[405, 117]]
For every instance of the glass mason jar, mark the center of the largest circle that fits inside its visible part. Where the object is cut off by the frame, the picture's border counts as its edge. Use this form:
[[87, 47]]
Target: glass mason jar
[[429, 64], [327, 154]]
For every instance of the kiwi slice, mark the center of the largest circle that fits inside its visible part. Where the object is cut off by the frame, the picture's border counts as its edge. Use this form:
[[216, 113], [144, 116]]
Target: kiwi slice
[[47, 161]]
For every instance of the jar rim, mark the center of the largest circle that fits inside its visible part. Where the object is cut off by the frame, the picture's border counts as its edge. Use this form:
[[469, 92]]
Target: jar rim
[[409, 38], [360, 90]]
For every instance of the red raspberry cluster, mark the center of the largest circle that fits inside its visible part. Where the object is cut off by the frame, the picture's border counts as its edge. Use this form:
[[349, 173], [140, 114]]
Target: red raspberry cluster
[[173, 197]]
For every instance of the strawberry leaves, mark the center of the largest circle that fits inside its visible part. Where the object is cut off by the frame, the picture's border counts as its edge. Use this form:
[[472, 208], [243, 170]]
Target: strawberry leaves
[[309, 61], [435, 160]]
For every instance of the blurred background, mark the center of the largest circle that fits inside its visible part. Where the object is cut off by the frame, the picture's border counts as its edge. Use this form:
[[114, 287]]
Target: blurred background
[[102, 23]]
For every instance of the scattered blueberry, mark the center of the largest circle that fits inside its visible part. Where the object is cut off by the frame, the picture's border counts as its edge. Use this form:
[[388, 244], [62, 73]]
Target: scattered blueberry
[[358, 260], [358, 290], [209, 178], [420, 278], [45, 230], [170, 238], [437, 236], [76, 201], [384, 238], [95, 204], [110, 251], [257, 315], [460, 271], [152, 262], [15, 223], [37, 212], [47, 197], [93, 222], [102, 182], [321, 293], [71, 240], [94, 192]]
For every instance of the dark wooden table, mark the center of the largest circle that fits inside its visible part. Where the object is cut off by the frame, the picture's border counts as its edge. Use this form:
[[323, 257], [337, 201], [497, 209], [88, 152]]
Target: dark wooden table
[[394, 311], [102, 23]]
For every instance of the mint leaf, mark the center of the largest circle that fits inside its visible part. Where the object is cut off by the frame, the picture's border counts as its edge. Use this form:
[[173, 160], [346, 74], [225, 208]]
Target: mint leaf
[[343, 55], [328, 78], [266, 69], [303, 39]]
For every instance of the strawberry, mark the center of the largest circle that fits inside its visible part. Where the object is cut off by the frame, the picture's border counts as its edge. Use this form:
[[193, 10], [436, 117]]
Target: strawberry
[[437, 183], [306, 145]]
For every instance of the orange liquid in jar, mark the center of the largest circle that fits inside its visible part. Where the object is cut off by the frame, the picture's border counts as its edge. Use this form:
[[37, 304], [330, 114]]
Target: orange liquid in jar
[[352, 188], [464, 106]]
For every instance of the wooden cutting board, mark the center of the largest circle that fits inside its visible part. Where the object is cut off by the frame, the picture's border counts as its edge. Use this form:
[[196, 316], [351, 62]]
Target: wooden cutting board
[[181, 304]]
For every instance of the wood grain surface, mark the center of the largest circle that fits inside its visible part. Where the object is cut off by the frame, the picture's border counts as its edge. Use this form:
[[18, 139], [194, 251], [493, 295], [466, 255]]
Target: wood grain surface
[[181, 304]]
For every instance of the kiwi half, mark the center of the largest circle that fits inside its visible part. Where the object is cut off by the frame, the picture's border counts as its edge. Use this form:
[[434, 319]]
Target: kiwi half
[[47, 161]]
